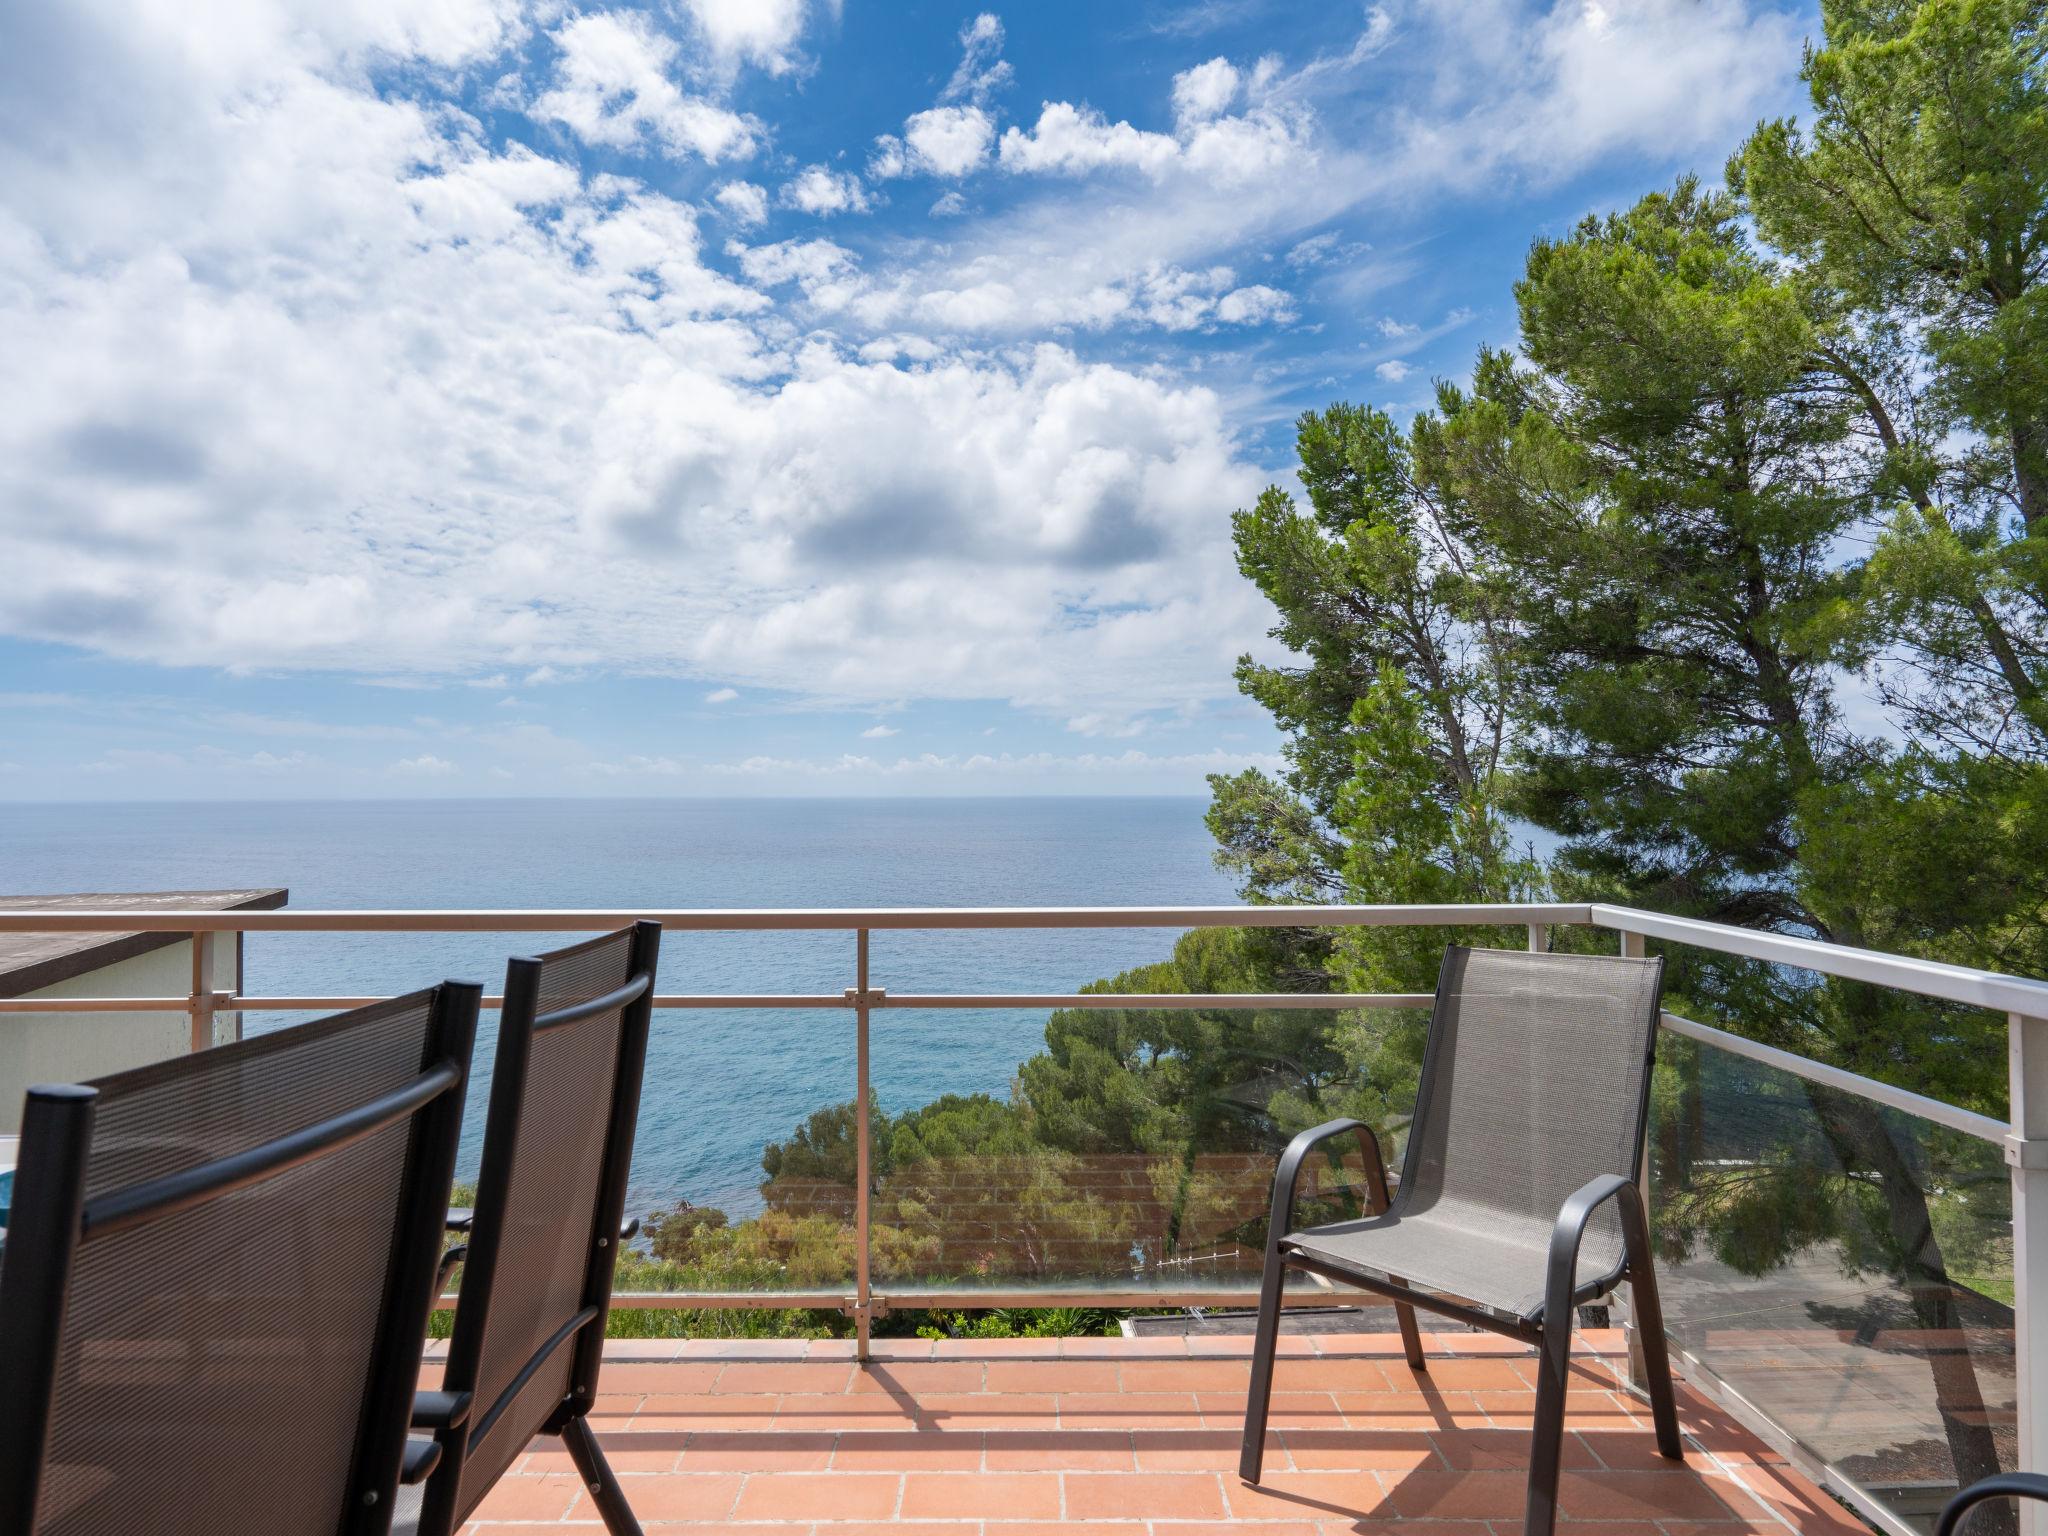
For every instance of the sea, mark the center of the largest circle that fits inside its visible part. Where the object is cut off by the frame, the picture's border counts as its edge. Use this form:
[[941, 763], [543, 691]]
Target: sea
[[720, 1083]]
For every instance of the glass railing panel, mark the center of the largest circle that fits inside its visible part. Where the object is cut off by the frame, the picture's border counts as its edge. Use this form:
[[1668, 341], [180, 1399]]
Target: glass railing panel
[[1132, 1153], [722, 1086], [1844, 1267]]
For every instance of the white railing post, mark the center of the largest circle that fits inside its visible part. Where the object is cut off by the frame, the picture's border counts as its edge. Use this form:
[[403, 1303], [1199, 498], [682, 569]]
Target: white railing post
[[1636, 947], [201, 1005], [1539, 938], [2026, 1152]]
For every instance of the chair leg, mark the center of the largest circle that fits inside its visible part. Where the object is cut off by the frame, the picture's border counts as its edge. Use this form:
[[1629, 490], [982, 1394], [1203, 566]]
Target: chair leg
[[1411, 1336], [1546, 1439], [597, 1477], [1265, 1344], [1648, 1317]]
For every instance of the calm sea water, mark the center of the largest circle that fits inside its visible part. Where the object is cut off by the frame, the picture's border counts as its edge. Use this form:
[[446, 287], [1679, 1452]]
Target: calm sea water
[[720, 1083]]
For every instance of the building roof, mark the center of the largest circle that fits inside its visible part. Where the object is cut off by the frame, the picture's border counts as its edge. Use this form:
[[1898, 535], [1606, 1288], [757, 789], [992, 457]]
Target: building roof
[[31, 961]]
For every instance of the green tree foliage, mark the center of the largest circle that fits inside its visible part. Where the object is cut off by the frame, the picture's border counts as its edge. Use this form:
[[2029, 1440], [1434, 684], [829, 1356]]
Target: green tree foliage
[[1913, 210], [1914, 205], [1661, 482], [1405, 647]]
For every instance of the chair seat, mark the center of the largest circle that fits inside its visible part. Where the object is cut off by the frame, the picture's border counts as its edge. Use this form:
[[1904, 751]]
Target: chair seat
[[1494, 1259]]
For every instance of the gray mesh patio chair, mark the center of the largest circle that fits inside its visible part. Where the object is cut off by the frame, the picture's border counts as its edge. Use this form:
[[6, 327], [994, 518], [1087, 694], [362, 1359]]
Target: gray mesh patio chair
[[1518, 1197], [217, 1277], [544, 1233]]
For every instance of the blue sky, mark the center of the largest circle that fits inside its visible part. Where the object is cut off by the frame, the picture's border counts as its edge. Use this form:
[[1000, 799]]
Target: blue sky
[[479, 397]]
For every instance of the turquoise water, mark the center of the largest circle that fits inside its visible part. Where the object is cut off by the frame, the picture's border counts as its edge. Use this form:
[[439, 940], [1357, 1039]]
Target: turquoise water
[[720, 1083]]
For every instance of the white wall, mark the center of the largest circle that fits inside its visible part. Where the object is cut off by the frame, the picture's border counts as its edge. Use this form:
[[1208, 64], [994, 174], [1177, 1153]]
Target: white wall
[[71, 1047]]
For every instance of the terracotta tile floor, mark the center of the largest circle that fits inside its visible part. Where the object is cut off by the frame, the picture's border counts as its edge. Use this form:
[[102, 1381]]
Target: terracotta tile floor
[[1137, 1438]]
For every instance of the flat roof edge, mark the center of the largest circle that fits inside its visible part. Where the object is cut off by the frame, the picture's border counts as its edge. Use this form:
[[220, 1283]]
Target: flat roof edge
[[48, 959]]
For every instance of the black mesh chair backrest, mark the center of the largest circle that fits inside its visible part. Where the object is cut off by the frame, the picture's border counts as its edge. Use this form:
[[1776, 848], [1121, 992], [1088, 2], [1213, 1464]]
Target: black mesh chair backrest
[[536, 1285], [1534, 1082], [218, 1276]]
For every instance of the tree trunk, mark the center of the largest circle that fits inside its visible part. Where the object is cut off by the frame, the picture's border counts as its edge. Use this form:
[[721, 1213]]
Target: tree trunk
[[2030, 470]]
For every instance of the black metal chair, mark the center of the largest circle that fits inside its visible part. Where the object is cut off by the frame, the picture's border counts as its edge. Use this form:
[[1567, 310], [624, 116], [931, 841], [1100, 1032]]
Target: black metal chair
[[218, 1273], [2001, 1485], [1518, 1198], [544, 1233]]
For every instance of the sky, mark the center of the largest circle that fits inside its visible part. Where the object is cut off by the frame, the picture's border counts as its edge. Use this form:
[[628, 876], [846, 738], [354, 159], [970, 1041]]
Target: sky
[[737, 397]]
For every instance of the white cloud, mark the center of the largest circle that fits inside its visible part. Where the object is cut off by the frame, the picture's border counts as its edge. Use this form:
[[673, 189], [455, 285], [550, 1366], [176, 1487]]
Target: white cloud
[[1270, 138], [1314, 251], [879, 732], [1545, 95], [426, 765], [991, 297], [459, 406], [1072, 141], [1320, 71], [948, 141], [1402, 339], [819, 190], [1254, 305], [721, 695], [976, 765], [614, 86], [1689, 67], [638, 765], [202, 762], [1204, 91], [1201, 18], [949, 206], [889, 159], [759, 32], [744, 203], [817, 266], [1099, 724], [982, 70]]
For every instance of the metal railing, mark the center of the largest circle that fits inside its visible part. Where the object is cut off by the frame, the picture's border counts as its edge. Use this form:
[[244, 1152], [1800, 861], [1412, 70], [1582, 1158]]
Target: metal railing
[[2023, 1140]]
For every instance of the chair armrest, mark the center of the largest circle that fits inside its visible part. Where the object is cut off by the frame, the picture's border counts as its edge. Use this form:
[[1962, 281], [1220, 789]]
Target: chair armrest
[[1561, 1280], [446, 1267], [2003, 1485], [1288, 1173], [440, 1410], [461, 1218], [421, 1457]]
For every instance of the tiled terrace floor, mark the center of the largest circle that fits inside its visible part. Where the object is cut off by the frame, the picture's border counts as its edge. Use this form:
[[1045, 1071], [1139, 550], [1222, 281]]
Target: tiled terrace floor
[[1115, 1437]]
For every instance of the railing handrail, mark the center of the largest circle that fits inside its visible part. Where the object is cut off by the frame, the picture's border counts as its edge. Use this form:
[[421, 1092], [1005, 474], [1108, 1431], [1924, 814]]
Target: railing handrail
[[784, 919], [1925, 978]]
